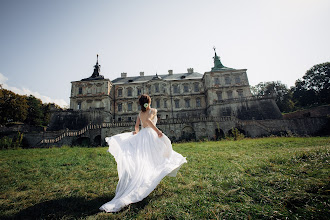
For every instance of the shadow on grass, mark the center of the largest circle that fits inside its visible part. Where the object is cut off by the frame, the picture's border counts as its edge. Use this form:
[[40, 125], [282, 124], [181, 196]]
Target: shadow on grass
[[70, 208]]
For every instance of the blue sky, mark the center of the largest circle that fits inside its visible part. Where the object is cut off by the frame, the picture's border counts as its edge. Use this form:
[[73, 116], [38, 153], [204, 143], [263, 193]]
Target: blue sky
[[44, 44]]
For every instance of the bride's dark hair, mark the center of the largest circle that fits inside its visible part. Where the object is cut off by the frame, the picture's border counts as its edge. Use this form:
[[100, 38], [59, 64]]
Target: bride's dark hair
[[144, 99]]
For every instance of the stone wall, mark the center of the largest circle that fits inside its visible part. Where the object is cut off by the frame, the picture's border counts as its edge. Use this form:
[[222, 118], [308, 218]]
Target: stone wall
[[320, 111]]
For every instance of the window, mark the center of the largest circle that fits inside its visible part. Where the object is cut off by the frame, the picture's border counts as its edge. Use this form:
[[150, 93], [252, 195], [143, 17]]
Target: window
[[185, 88], [79, 106], [129, 106], [139, 91], [98, 90], [240, 93], [230, 94], [120, 107], [149, 90], [175, 89], [157, 87], [187, 103], [219, 94], [119, 119], [120, 92], [129, 118], [176, 103], [80, 90], [198, 102], [196, 87], [129, 91], [139, 107], [165, 103], [237, 79], [157, 103], [216, 81], [227, 80]]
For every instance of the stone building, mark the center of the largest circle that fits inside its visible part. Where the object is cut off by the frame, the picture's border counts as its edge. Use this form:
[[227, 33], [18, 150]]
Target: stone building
[[190, 105], [221, 92]]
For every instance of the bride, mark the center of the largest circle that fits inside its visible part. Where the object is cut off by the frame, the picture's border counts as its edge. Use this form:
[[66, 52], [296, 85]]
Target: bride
[[143, 159]]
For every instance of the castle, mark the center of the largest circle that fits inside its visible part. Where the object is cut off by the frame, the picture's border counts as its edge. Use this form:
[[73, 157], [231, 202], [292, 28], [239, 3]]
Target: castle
[[180, 95], [190, 105]]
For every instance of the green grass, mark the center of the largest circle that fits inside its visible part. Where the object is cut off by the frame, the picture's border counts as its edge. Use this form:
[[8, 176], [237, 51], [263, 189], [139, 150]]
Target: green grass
[[268, 178]]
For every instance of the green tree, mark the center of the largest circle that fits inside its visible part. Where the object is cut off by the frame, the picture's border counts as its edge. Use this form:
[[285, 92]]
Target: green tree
[[35, 111], [13, 107], [282, 95], [314, 87]]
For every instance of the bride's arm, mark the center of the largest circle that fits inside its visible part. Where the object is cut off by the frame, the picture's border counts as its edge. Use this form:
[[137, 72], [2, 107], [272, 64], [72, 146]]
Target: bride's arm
[[137, 124]]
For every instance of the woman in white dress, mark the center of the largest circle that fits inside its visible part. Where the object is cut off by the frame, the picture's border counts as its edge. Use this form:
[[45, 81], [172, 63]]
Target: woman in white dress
[[144, 157]]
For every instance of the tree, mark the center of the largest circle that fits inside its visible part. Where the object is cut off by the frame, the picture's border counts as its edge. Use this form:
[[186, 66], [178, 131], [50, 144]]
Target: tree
[[13, 107], [314, 87], [35, 111], [282, 95]]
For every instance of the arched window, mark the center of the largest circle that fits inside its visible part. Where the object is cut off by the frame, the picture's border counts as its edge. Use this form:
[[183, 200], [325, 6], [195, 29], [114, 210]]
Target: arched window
[[229, 94], [196, 87], [139, 91], [156, 87], [219, 94], [237, 79], [177, 103], [129, 91], [198, 102], [187, 103], [227, 80], [120, 107], [120, 92], [165, 103], [175, 88], [216, 81], [185, 88], [129, 106]]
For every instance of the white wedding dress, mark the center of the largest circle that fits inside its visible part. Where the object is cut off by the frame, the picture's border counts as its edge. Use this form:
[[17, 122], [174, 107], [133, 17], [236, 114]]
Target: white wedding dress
[[143, 160]]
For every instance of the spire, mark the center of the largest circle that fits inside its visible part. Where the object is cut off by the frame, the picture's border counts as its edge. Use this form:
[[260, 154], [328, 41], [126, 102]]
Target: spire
[[217, 62], [97, 67]]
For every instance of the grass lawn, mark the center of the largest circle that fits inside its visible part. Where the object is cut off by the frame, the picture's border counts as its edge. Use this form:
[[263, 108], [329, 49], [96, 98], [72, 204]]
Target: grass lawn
[[267, 178]]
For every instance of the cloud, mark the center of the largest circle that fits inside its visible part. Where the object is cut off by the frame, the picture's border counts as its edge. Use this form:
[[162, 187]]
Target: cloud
[[26, 91]]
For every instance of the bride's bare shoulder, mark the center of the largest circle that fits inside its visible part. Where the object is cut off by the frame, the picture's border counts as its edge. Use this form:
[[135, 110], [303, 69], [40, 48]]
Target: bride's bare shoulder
[[153, 111]]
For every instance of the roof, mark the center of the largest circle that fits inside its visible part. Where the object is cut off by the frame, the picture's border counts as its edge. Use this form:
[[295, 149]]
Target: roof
[[167, 77]]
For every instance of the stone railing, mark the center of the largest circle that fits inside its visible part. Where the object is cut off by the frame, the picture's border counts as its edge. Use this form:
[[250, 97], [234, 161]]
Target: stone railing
[[69, 133], [75, 133]]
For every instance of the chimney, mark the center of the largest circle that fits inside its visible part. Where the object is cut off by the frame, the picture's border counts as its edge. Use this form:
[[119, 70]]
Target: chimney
[[170, 72], [141, 73], [123, 75], [190, 70]]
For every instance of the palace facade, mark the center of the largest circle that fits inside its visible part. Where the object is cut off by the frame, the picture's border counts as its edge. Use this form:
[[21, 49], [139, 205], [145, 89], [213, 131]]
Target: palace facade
[[190, 105], [175, 95]]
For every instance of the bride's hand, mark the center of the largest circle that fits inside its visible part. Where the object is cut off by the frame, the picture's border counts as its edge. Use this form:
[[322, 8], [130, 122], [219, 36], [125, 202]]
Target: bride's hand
[[160, 134], [134, 132]]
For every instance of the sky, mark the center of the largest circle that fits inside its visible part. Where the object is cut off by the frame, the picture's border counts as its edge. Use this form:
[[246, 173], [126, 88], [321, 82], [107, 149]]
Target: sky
[[46, 44]]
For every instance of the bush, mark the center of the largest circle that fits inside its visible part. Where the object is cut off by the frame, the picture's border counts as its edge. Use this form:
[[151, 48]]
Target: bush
[[11, 143]]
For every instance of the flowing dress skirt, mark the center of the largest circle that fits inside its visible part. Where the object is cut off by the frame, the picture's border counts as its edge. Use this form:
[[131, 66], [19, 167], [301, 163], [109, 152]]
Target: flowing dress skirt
[[143, 160]]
